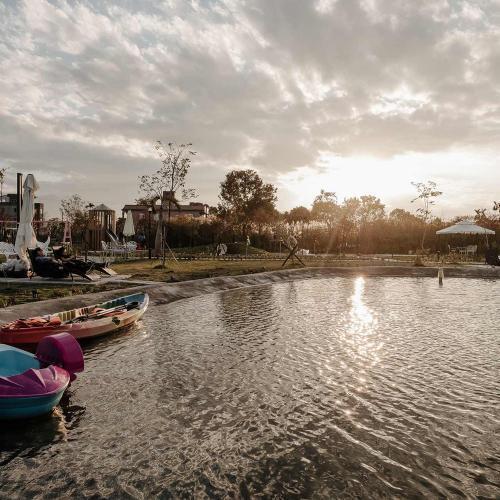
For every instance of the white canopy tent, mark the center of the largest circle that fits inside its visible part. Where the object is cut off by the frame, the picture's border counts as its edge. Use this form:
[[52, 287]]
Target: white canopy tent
[[128, 228], [465, 227], [26, 237]]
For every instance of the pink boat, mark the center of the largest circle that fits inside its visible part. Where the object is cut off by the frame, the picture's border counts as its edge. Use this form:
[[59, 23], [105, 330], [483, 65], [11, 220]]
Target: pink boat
[[33, 384]]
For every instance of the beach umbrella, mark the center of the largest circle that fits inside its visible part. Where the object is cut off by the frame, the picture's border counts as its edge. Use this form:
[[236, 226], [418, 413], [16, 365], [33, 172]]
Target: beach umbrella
[[128, 228], [465, 226], [25, 237]]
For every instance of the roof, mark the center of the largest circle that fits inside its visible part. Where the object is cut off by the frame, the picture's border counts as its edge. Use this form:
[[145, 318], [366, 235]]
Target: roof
[[183, 208], [465, 227], [134, 207], [102, 207]]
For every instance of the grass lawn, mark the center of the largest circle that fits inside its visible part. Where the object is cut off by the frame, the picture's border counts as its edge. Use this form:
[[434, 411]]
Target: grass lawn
[[197, 269], [12, 294]]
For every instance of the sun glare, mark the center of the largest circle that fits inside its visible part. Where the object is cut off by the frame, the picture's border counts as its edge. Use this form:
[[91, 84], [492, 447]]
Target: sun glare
[[389, 178]]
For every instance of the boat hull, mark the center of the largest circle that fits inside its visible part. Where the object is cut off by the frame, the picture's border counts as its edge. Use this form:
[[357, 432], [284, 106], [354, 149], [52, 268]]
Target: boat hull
[[80, 331], [25, 407]]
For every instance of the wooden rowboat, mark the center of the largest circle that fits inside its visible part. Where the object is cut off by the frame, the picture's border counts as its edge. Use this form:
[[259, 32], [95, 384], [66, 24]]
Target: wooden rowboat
[[83, 323]]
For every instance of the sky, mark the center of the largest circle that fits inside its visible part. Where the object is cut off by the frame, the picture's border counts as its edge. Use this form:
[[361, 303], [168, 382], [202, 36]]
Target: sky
[[351, 96]]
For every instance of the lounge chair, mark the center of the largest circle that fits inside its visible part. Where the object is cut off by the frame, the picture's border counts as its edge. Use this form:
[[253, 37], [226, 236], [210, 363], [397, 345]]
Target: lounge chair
[[81, 267], [49, 269]]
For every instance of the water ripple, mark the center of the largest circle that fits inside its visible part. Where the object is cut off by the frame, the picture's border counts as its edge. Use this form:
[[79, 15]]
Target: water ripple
[[377, 387]]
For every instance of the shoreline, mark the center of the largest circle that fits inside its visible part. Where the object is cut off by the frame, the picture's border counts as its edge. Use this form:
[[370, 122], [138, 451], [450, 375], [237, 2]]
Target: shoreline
[[165, 293]]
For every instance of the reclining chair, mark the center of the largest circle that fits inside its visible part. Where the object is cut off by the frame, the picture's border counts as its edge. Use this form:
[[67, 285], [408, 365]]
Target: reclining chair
[[50, 269]]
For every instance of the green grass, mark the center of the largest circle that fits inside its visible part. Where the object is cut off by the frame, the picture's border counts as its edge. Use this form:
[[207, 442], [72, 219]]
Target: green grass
[[151, 270], [21, 294]]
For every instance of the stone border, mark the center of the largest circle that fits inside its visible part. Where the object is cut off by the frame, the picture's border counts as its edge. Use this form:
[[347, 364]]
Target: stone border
[[164, 293]]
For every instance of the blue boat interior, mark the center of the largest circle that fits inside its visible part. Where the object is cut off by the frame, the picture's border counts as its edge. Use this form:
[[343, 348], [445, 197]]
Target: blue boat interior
[[72, 314], [14, 361]]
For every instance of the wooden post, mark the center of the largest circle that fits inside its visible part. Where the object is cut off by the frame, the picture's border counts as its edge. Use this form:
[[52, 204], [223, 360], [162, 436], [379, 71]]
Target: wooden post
[[19, 196]]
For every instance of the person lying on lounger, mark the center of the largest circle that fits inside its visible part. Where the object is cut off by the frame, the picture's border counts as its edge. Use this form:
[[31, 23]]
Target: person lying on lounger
[[45, 266], [63, 266], [75, 265]]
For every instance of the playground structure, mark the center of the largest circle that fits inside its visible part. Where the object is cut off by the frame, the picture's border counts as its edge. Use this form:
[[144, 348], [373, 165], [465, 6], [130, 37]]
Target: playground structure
[[102, 226]]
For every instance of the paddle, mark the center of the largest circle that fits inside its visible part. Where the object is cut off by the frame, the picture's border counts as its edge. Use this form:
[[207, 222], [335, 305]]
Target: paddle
[[84, 317]]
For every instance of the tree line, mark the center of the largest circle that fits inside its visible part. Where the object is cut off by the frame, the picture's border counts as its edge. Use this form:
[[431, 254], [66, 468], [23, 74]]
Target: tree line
[[247, 210]]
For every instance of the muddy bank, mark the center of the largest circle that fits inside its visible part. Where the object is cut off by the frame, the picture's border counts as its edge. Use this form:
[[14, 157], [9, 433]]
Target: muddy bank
[[164, 293]]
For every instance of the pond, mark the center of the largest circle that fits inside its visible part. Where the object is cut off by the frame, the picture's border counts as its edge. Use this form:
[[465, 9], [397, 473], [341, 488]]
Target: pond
[[368, 387]]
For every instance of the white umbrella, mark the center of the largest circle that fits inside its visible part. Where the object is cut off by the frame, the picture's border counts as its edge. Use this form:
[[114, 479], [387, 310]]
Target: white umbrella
[[128, 228], [465, 227], [25, 237]]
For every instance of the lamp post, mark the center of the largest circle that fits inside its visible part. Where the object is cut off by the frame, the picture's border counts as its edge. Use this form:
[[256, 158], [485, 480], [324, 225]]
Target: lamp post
[[150, 209]]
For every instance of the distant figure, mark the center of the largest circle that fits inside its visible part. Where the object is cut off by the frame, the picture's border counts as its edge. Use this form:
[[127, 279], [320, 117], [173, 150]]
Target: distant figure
[[141, 240], [491, 256], [221, 249]]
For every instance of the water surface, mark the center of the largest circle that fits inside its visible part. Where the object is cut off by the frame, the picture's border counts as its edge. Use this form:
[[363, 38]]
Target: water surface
[[335, 387]]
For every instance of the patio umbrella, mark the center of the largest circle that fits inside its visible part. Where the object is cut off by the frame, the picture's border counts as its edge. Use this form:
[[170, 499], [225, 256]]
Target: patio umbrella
[[128, 228], [25, 237], [465, 227]]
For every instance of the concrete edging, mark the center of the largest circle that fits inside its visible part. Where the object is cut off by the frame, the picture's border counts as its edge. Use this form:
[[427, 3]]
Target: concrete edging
[[164, 293]]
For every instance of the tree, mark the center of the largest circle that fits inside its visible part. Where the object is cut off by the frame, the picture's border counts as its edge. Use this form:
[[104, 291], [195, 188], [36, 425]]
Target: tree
[[348, 221], [175, 162], [244, 197], [402, 217], [298, 214], [75, 210], [3, 171], [427, 193], [72, 207], [371, 209], [325, 209]]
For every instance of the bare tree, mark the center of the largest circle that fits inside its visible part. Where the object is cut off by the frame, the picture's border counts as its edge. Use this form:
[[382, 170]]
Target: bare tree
[[171, 177], [3, 171], [427, 193]]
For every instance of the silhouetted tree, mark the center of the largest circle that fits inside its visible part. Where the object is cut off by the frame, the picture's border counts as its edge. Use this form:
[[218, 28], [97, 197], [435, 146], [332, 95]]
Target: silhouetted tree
[[427, 193], [243, 197], [175, 160], [75, 210], [325, 209]]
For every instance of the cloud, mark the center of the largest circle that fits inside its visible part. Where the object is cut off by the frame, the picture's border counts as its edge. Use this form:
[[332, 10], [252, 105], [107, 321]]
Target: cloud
[[86, 88]]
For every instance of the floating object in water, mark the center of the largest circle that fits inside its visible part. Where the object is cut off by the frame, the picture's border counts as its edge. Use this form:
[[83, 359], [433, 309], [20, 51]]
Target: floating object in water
[[33, 384], [86, 322], [440, 275]]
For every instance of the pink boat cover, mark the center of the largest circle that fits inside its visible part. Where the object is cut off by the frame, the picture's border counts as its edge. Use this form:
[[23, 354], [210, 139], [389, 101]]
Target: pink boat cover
[[35, 382], [62, 350]]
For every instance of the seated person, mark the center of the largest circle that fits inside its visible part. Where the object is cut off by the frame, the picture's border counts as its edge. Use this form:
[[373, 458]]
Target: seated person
[[47, 266]]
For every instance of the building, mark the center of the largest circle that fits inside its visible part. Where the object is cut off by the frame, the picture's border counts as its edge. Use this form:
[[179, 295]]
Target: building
[[8, 212], [140, 212]]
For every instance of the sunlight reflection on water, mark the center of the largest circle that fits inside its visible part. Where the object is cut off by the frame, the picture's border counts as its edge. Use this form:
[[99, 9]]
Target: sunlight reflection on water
[[366, 387]]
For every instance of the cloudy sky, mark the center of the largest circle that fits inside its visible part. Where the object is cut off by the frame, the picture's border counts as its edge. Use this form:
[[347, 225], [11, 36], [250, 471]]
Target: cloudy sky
[[352, 96]]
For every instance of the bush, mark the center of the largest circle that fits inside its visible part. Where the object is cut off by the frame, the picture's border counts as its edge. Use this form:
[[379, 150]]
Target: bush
[[241, 248]]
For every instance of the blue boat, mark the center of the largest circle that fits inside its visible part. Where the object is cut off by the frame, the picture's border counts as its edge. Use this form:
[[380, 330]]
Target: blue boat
[[33, 384]]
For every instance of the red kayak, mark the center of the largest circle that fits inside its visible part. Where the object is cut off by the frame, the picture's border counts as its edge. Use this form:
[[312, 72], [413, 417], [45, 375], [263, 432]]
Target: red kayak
[[86, 322]]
